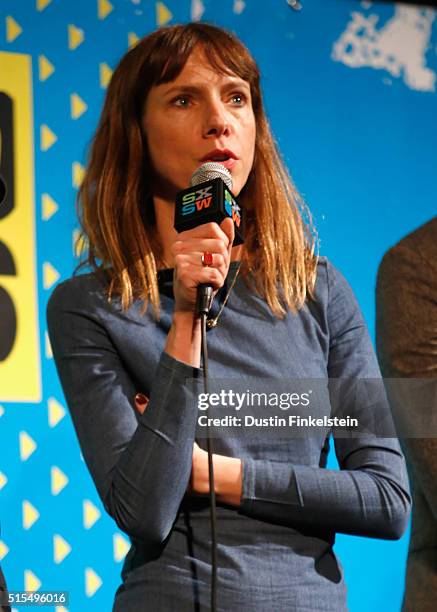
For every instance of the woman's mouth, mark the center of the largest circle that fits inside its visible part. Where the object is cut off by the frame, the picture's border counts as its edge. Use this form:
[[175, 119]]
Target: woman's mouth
[[225, 157]]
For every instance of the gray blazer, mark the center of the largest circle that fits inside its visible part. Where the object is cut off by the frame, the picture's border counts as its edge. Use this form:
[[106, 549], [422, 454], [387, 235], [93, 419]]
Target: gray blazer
[[407, 347]]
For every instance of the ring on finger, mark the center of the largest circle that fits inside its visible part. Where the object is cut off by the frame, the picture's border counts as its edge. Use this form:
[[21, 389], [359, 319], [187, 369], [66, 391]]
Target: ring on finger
[[207, 259]]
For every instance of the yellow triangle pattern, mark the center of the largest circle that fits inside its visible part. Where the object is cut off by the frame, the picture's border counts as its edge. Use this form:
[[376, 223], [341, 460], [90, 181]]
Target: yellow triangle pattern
[[76, 36], [3, 480], [30, 514], [121, 547], [105, 75], [49, 352], [31, 582], [78, 174], [56, 412], [45, 68], [59, 480], [48, 138], [132, 39], [91, 514], [13, 29], [77, 105], [61, 548], [49, 207], [50, 275], [163, 15], [80, 243], [3, 550], [27, 445], [93, 582], [42, 4], [104, 8]]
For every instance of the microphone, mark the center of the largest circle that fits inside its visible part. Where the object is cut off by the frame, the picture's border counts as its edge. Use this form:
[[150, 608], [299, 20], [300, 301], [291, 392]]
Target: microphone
[[208, 199]]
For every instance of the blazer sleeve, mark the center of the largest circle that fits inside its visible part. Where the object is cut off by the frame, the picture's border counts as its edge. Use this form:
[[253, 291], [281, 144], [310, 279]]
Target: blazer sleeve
[[140, 465], [369, 495], [406, 322]]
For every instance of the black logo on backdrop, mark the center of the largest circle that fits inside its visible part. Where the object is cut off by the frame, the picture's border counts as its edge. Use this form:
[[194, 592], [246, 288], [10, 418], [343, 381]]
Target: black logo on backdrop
[[8, 318]]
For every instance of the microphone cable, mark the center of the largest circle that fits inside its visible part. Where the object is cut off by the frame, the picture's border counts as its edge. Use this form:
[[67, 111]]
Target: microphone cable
[[204, 301]]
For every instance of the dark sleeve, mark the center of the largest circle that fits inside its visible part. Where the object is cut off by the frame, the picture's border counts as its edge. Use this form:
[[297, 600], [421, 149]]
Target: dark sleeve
[[406, 321], [369, 495], [140, 465]]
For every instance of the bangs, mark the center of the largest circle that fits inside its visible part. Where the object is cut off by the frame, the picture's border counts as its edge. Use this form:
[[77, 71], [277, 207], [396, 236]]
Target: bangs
[[226, 54]]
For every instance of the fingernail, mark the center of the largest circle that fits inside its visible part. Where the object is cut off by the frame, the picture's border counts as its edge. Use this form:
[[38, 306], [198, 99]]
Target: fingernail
[[141, 398]]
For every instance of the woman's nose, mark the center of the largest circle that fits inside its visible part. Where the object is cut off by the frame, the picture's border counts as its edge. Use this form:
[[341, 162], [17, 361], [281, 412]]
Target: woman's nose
[[216, 122]]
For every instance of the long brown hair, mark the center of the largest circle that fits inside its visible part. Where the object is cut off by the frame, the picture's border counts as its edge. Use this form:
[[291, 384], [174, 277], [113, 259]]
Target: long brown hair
[[115, 207]]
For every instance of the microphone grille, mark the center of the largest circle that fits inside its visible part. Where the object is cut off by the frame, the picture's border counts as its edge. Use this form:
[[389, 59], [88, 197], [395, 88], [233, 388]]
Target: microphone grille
[[210, 171]]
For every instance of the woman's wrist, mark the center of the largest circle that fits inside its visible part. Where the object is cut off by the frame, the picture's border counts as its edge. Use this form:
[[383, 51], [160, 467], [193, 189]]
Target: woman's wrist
[[228, 479], [184, 338]]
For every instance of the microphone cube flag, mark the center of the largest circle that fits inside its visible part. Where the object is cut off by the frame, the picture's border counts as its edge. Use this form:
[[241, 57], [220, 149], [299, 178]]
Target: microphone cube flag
[[208, 202]]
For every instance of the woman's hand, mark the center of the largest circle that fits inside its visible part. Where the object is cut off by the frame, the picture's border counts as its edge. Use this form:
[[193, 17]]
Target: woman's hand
[[199, 480], [189, 272]]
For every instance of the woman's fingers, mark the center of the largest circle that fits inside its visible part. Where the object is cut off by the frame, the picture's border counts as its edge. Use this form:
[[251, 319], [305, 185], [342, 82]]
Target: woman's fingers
[[211, 245], [190, 270], [227, 226], [206, 230]]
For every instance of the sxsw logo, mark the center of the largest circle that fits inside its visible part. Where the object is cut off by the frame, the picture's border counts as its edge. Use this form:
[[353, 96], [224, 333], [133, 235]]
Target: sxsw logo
[[232, 208], [196, 200]]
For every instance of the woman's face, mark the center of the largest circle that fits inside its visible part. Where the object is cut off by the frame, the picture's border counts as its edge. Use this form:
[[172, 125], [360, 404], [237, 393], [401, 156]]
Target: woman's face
[[200, 116]]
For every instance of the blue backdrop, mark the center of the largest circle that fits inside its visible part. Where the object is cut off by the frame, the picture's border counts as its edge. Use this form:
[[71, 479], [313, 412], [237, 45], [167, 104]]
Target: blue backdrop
[[350, 91]]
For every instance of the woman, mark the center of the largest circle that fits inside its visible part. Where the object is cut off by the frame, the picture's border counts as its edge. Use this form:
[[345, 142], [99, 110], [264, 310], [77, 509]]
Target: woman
[[183, 96]]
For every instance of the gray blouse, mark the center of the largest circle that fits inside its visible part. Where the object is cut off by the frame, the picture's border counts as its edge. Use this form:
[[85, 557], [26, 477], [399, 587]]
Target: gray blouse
[[275, 550]]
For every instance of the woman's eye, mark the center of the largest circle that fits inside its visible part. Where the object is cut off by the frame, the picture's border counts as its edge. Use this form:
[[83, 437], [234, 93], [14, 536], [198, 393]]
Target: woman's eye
[[238, 99], [182, 101]]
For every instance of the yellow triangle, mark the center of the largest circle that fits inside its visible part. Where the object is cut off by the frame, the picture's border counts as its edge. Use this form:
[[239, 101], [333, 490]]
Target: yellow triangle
[[78, 174], [121, 547], [77, 105], [93, 582], [104, 8], [30, 514], [56, 412], [31, 582], [49, 207], [105, 75], [27, 445], [91, 514], [163, 15], [61, 548], [76, 37], [46, 68], [50, 275], [3, 550], [60, 609], [41, 4], [59, 480], [80, 243], [48, 138], [3, 480], [49, 352], [13, 29], [132, 39]]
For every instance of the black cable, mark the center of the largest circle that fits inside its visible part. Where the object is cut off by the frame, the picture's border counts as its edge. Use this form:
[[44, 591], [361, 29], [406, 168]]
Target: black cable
[[212, 499]]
